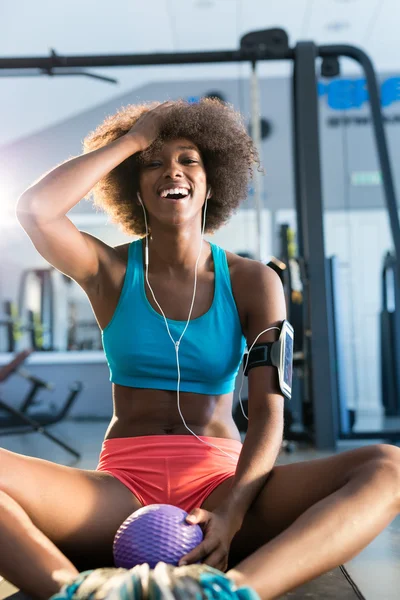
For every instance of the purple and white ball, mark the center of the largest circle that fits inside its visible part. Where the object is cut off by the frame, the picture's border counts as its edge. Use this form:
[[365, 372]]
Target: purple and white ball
[[155, 533]]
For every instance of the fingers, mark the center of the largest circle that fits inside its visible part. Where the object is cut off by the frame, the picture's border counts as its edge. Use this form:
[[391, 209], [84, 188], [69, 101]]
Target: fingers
[[199, 553], [147, 127], [153, 112], [163, 107], [198, 515], [217, 559], [208, 553]]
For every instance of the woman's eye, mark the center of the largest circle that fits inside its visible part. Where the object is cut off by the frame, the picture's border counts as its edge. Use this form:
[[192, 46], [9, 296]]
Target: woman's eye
[[153, 163], [189, 160]]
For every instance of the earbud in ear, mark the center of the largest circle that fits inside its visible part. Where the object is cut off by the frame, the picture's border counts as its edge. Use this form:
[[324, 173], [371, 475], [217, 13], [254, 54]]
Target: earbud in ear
[[139, 198], [208, 193]]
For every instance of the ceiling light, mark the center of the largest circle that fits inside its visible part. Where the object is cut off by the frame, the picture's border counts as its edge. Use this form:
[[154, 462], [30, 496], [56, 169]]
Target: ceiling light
[[204, 3]]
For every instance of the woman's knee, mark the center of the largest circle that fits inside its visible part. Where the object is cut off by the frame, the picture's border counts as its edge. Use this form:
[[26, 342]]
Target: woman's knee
[[381, 453], [381, 462]]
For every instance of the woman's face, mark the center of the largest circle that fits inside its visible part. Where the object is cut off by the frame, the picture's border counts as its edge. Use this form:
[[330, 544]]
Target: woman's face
[[173, 182]]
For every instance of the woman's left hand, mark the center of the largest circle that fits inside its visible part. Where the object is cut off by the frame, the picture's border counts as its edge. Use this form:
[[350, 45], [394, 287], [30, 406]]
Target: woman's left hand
[[218, 532]]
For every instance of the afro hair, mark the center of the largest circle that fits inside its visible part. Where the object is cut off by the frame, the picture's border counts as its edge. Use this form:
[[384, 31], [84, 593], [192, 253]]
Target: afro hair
[[227, 150]]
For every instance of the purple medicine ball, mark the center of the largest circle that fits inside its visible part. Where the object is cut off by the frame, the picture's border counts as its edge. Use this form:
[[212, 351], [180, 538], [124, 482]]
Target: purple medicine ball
[[155, 533]]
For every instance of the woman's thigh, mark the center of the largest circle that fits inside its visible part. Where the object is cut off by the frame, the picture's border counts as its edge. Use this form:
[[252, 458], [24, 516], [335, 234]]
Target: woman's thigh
[[291, 490], [79, 511]]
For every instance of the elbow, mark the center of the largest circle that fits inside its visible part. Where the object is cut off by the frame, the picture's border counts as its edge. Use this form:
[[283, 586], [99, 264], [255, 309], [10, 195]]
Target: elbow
[[28, 209], [25, 207]]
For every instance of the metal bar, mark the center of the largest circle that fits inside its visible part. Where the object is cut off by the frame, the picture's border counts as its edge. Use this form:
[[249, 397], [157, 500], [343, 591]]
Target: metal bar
[[256, 135], [130, 60], [380, 135], [311, 242], [30, 398], [387, 178], [336, 315]]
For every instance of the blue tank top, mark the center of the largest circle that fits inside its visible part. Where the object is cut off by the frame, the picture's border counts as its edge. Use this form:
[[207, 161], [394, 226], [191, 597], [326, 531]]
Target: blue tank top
[[140, 352]]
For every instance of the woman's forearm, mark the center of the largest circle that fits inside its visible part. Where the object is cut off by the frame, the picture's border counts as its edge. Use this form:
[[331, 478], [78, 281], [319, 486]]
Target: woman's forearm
[[64, 186], [260, 449]]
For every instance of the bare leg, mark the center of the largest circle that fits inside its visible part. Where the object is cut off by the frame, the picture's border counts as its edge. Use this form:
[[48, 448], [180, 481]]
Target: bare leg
[[31, 558], [315, 516], [328, 534], [55, 518]]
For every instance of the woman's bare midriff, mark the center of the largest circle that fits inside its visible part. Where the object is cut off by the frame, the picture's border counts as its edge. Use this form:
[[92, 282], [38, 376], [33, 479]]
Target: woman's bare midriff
[[140, 412]]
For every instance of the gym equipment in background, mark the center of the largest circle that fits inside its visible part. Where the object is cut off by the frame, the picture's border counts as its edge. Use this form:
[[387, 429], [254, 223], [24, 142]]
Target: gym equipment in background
[[12, 323], [390, 337], [16, 328], [34, 414], [48, 312], [299, 414], [36, 299]]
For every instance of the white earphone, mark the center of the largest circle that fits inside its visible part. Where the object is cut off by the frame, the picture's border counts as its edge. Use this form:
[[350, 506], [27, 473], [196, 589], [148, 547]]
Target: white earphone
[[177, 344]]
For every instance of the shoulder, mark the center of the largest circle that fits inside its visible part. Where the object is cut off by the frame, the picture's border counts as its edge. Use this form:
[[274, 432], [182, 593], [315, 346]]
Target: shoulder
[[258, 293], [252, 276]]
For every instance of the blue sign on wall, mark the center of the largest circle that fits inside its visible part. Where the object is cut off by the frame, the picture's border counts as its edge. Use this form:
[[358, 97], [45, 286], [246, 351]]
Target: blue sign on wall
[[343, 94], [193, 99]]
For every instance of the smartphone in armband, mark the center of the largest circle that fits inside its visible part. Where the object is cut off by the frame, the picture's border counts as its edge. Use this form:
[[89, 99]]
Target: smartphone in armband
[[277, 354]]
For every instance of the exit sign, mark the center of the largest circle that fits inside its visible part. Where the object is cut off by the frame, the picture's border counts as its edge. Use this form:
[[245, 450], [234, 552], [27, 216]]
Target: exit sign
[[366, 178]]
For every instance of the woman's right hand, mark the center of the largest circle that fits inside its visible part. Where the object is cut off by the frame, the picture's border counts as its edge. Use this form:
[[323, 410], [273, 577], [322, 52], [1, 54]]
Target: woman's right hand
[[147, 127]]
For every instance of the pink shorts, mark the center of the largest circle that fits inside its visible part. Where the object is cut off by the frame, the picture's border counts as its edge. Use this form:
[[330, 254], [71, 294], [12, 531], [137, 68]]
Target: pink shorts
[[163, 469]]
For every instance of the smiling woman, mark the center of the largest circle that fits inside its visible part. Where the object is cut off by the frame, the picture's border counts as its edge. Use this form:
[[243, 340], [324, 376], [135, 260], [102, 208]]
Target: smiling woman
[[168, 173], [217, 136]]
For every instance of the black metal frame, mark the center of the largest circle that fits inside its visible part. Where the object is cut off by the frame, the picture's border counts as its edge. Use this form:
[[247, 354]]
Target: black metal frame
[[390, 339], [388, 186], [307, 175], [23, 420], [318, 354]]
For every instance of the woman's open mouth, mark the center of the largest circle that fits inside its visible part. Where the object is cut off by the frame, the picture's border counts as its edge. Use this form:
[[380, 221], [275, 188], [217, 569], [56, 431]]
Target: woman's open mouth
[[175, 194]]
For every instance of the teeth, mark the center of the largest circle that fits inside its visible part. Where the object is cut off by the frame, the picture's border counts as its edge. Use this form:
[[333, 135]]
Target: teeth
[[182, 191]]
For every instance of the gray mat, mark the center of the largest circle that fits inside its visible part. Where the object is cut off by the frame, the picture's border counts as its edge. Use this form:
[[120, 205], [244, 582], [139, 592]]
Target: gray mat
[[331, 586]]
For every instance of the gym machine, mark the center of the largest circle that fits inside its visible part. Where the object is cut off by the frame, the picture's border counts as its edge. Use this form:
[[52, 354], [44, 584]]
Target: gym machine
[[33, 414], [390, 338], [15, 327]]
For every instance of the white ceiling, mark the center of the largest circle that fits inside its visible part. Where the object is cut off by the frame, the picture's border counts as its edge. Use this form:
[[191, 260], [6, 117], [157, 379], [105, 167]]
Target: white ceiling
[[32, 27]]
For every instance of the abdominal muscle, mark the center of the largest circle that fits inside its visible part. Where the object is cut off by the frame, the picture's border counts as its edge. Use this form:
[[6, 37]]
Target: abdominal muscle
[[139, 412]]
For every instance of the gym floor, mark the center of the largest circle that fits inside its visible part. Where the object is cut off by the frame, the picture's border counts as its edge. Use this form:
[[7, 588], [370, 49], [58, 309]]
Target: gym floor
[[375, 572]]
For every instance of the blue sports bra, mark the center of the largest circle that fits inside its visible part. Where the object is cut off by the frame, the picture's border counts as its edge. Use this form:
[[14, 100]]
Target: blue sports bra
[[140, 352]]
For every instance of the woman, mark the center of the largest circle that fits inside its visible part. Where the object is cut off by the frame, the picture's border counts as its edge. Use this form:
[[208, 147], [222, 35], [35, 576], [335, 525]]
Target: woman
[[175, 170]]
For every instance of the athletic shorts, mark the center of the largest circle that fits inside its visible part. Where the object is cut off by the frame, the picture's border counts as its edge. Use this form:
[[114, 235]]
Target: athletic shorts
[[163, 469]]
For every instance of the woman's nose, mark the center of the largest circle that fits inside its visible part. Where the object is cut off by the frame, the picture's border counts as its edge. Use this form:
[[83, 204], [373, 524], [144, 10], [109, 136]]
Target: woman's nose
[[173, 170]]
